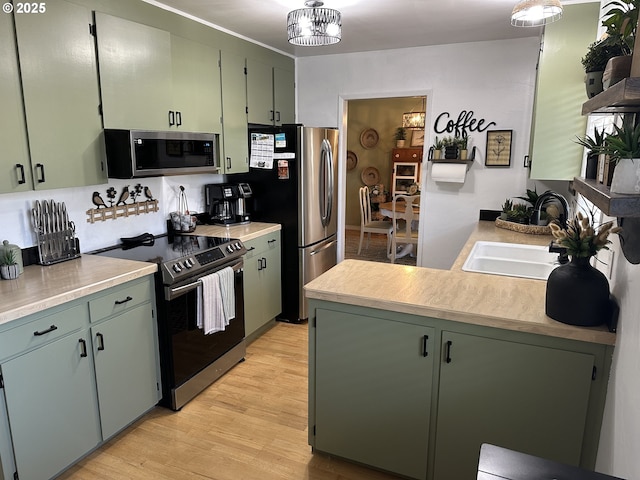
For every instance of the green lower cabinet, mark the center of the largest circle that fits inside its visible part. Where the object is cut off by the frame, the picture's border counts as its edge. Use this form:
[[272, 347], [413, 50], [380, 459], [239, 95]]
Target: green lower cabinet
[[262, 281], [524, 397], [51, 403], [373, 391], [125, 353], [418, 396]]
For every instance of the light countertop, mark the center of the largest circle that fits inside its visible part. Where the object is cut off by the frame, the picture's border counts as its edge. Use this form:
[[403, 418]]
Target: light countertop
[[490, 300], [244, 232], [42, 287]]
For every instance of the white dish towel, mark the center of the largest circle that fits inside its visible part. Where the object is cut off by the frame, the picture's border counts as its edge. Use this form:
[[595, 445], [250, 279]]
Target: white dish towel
[[216, 301], [226, 277]]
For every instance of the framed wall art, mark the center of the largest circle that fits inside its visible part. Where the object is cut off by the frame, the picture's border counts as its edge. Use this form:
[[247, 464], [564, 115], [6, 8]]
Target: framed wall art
[[498, 148], [417, 138]]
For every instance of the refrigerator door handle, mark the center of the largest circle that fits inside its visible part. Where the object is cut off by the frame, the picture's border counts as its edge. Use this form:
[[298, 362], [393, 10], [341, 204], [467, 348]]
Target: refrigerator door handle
[[320, 250], [326, 182]]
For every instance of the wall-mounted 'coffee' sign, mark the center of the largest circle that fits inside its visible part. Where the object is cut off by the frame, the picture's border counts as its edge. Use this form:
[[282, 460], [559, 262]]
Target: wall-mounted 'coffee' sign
[[459, 127]]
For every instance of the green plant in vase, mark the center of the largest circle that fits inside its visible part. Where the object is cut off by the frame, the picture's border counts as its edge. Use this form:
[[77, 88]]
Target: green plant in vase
[[9, 268], [519, 213], [594, 147], [400, 136], [623, 148], [621, 21], [438, 145]]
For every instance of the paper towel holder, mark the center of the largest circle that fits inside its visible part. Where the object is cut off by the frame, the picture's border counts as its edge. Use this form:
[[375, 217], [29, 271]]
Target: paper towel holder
[[469, 160]]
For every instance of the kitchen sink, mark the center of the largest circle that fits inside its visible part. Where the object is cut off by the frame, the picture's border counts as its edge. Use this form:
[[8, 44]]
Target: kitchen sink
[[511, 259]]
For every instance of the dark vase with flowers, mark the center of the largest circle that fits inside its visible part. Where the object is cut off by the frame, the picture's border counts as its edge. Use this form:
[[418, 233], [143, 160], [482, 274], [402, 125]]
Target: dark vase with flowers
[[578, 294]]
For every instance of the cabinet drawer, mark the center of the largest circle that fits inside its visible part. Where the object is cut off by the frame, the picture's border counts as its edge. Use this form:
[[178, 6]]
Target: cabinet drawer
[[120, 299], [407, 155], [261, 244], [43, 330]]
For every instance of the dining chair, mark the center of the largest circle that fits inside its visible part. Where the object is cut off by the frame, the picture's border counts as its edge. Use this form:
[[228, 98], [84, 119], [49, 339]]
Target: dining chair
[[369, 226], [405, 223]]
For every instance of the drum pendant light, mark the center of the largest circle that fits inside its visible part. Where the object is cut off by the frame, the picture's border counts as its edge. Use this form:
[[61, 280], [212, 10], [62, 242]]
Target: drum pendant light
[[314, 26], [535, 13]]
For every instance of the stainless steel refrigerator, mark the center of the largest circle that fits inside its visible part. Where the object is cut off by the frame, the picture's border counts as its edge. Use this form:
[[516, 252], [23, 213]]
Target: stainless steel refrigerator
[[296, 187]]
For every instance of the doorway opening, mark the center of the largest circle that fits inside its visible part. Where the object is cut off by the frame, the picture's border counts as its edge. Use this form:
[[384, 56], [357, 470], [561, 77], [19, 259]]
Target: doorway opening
[[368, 144]]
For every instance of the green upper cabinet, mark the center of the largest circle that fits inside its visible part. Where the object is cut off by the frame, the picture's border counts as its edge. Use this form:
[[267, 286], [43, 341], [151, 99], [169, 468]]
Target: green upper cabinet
[[259, 92], [61, 96], [135, 74], [197, 101], [560, 93], [153, 80], [15, 174], [270, 94], [284, 96], [234, 114]]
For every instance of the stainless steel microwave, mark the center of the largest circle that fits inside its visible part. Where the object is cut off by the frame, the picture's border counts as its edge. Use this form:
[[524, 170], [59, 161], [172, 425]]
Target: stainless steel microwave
[[139, 153]]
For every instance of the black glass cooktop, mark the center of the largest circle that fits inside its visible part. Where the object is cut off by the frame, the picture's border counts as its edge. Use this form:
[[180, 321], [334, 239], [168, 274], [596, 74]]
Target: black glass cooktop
[[163, 248]]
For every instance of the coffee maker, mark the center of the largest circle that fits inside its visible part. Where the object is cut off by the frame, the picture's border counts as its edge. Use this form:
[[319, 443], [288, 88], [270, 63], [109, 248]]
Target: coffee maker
[[225, 203]]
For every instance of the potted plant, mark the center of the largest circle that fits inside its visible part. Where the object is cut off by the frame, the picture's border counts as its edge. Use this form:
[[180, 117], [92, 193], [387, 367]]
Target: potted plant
[[594, 148], [437, 147], [621, 22], [450, 148], [507, 206], [595, 61], [462, 143], [9, 268], [623, 147], [519, 213], [577, 293], [400, 136]]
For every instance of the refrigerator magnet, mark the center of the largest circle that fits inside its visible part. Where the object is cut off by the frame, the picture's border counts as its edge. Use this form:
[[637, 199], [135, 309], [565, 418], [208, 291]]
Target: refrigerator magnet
[[283, 169]]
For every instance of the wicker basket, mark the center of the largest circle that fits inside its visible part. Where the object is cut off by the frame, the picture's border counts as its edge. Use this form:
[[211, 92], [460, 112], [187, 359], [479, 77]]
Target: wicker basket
[[522, 228]]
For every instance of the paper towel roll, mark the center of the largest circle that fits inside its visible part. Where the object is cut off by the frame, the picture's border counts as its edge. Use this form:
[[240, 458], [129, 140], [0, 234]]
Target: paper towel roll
[[449, 172]]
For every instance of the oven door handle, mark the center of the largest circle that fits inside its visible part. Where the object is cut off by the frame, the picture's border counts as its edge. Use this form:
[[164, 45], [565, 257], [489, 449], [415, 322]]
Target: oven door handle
[[172, 293]]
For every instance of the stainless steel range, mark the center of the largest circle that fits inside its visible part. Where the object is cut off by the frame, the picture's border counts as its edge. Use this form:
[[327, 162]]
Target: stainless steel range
[[189, 359]]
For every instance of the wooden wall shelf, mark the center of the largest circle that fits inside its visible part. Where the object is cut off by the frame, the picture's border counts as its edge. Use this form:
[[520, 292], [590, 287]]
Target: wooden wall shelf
[[623, 97], [611, 204]]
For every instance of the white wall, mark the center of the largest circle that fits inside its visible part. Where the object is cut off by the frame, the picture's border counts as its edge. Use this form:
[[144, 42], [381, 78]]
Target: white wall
[[495, 80], [15, 210]]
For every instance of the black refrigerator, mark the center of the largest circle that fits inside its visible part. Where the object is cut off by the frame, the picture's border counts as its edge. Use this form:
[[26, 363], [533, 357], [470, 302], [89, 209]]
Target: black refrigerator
[[293, 178]]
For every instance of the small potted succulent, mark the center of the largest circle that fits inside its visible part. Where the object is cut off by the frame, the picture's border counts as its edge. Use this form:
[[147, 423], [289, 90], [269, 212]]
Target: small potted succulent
[[594, 148], [462, 143], [437, 147], [400, 136], [623, 148], [9, 268]]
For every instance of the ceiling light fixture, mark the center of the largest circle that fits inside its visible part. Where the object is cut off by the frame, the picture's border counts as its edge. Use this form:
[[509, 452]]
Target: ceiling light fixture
[[314, 26], [413, 120], [535, 13]]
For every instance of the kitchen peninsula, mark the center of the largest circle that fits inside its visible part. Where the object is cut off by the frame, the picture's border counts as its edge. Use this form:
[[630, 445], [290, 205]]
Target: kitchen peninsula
[[412, 369]]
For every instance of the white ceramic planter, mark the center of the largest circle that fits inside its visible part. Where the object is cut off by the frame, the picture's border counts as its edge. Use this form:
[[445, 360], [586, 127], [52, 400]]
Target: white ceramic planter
[[9, 272], [626, 176]]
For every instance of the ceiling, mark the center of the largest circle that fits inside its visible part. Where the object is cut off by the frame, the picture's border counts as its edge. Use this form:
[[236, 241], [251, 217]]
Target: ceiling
[[366, 24]]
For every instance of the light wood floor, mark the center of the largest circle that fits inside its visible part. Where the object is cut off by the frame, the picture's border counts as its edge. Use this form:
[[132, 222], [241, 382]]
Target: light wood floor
[[250, 424]]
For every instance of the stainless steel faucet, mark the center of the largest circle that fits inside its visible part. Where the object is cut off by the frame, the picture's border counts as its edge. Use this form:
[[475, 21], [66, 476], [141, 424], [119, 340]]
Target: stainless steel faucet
[[537, 208]]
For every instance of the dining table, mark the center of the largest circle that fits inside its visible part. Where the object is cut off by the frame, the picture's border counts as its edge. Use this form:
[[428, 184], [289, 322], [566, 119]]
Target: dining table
[[386, 209]]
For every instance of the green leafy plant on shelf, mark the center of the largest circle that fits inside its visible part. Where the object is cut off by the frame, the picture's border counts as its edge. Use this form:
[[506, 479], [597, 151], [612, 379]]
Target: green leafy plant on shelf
[[592, 144], [621, 21], [401, 133], [623, 143]]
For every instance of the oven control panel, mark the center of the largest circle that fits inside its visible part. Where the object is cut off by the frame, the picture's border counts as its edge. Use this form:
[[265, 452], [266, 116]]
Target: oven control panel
[[203, 262]]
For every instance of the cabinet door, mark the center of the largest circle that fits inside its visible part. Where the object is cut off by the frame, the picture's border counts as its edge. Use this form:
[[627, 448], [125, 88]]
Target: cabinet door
[[197, 99], [135, 74], [61, 96], [523, 397], [51, 402], [262, 281], [284, 96], [260, 93], [234, 114], [125, 352], [14, 162], [560, 93], [373, 391]]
